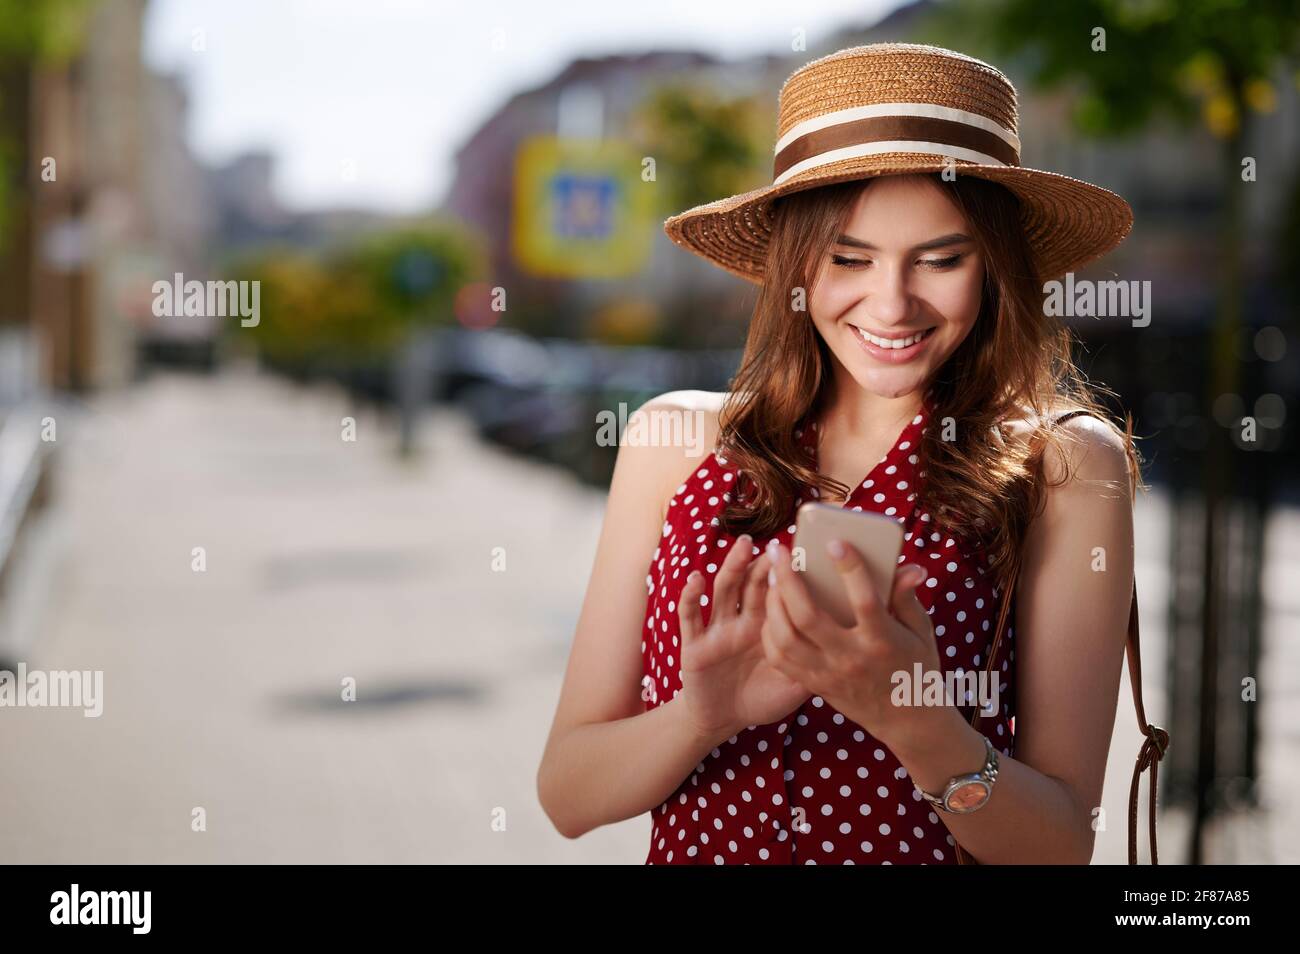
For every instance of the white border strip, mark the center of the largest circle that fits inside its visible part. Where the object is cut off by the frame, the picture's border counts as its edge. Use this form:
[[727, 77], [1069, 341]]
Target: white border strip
[[894, 145], [926, 110]]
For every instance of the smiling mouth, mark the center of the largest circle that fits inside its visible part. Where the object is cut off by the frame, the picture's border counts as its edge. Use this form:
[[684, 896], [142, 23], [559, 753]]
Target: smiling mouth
[[894, 343]]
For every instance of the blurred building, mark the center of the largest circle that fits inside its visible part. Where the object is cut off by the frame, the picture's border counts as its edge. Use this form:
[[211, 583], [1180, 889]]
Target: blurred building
[[125, 203], [116, 201], [248, 208], [249, 214], [591, 98]]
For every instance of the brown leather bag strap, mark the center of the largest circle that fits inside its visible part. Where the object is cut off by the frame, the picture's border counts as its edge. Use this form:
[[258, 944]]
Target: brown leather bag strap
[[1153, 747], [1156, 739]]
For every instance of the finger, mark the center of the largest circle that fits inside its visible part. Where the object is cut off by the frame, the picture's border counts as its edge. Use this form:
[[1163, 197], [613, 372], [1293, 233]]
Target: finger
[[688, 608], [731, 578], [800, 607], [904, 604], [783, 645], [868, 607], [752, 604]]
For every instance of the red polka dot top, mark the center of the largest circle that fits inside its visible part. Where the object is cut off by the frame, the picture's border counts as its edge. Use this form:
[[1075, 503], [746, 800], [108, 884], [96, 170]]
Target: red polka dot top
[[814, 787]]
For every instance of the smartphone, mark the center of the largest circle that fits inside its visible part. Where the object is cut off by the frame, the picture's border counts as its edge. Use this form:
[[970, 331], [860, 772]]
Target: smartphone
[[879, 539]]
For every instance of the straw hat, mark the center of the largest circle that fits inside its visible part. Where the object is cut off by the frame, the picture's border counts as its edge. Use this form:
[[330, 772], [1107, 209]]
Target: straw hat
[[898, 108]]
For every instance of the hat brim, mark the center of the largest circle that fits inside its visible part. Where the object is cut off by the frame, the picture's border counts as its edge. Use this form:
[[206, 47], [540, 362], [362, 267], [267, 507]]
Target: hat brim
[[1068, 222]]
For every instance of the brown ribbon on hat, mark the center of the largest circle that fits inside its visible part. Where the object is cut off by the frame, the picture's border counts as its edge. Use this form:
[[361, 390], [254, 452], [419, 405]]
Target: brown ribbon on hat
[[888, 128]]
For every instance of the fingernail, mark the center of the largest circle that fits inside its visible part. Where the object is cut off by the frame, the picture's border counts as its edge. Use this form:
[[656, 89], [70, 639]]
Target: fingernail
[[835, 548]]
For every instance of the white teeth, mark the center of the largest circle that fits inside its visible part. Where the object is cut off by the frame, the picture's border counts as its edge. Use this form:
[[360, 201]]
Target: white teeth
[[892, 342]]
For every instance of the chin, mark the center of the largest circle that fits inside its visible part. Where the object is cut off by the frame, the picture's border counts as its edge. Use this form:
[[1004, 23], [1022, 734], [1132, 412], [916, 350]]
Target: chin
[[893, 388], [884, 382]]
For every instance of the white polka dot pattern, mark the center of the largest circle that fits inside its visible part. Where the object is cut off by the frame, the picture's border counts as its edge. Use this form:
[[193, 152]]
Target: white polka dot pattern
[[815, 787]]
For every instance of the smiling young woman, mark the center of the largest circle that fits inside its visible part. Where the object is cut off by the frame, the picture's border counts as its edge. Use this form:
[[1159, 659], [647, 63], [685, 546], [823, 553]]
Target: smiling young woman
[[898, 361]]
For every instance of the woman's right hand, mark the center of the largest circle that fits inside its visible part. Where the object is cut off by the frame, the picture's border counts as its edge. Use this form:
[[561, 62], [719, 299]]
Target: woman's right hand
[[727, 682]]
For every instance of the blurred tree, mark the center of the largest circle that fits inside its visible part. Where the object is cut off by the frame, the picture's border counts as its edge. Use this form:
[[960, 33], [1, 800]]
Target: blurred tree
[[625, 321], [42, 29], [294, 331], [415, 273], [704, 147], [31, 32], [359, 304], [1207, 61]]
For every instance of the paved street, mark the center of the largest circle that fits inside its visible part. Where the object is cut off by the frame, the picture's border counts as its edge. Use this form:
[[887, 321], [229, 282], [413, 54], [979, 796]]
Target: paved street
[[325, 560], [329, 560]]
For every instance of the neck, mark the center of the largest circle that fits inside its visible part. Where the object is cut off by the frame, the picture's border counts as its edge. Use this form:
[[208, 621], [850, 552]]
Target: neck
[[856, 413]]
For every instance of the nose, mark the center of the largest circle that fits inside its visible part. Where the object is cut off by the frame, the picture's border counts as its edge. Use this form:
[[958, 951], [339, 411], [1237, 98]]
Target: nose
[[887, 297]]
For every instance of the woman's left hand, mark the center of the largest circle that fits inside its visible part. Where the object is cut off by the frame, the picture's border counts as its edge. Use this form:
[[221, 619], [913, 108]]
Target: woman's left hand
[[852, 668]]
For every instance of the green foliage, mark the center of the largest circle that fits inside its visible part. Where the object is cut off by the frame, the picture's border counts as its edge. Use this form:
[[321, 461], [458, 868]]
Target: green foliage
[[42, 30], [9, 162], [356, 305], [310, 314], [414, 273], [1177, 58], [704, 147]]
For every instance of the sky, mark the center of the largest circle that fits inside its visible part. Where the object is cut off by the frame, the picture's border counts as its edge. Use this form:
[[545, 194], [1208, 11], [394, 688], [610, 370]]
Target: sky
[[364, 102]]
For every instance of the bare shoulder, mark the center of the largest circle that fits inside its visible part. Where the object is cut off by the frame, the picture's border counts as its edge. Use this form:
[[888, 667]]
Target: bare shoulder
[[1097, 455], [701, 408], [668, 436], [689, 400], [1093, 453]]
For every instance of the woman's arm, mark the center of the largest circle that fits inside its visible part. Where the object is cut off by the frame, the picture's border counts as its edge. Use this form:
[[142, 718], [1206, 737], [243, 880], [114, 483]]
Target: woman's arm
[[1074, 594], [606, 758]]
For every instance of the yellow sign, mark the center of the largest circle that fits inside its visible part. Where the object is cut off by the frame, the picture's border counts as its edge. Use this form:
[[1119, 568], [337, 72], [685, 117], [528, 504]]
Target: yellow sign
[[581, 208]]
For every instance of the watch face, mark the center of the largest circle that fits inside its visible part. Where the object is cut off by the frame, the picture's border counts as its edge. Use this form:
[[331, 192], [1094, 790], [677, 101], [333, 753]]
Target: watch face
[[968, 796]]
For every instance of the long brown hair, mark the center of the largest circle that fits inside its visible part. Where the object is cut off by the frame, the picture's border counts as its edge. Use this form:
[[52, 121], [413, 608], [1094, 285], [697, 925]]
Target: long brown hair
[[1015, 364]]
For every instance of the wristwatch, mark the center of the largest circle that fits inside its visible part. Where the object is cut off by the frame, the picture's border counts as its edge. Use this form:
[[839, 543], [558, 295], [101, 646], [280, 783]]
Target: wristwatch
[[967, 793]]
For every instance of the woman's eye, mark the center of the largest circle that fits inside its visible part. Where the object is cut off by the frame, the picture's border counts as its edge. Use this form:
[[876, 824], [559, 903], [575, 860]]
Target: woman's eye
[[931, 263]]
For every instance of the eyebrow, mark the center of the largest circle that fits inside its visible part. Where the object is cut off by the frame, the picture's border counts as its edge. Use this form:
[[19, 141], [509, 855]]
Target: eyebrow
[[942, 241]]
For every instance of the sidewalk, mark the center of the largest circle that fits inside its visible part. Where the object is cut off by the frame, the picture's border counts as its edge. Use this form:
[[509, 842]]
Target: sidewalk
[[325, 560]]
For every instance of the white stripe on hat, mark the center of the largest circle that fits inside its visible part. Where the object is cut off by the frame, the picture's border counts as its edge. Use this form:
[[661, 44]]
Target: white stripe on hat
[[874, 110], [893, 145]]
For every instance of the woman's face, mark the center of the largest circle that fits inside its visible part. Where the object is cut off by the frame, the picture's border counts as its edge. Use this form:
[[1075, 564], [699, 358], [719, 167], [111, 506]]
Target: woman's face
[[906, 264]]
